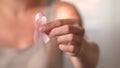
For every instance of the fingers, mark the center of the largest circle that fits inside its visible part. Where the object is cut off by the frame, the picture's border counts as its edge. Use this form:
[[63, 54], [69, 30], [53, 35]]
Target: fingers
[[70, 49], [69, 39], [68, 32], [70, 43], [49, 26], [65, 29]]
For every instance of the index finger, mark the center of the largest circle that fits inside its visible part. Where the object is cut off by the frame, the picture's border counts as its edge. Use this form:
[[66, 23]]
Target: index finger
[[49, 26]]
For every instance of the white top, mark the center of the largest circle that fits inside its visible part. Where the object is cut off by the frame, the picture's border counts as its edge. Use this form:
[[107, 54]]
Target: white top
[[38, 55]]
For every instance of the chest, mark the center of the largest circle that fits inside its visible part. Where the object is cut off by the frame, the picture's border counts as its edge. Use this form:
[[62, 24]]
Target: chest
[[16, 30]]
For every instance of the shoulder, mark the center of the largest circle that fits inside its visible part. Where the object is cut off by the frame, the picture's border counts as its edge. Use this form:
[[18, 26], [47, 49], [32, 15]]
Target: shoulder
[[65, 5], [66, 10]]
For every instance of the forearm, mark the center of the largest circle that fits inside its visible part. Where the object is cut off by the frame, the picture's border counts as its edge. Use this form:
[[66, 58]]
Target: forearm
[[88, 56]]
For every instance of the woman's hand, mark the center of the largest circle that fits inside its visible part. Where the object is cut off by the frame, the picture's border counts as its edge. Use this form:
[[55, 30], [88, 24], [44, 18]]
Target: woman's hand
[[69, 34]]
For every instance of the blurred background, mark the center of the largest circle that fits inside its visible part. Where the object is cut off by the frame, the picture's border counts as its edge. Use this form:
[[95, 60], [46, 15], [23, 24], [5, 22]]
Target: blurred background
[[102, 23]]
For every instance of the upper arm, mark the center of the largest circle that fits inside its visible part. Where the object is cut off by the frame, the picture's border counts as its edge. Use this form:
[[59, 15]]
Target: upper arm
[[66, 11]]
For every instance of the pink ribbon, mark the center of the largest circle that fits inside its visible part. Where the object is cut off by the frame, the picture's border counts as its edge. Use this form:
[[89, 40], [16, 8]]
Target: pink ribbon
[[40, 21]]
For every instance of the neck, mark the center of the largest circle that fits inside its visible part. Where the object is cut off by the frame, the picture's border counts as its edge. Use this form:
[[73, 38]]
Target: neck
[[16, 6], [13, 4]]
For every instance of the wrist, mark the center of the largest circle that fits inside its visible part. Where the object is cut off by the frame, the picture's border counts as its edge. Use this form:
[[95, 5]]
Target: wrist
[[78, 60], [83, 49]]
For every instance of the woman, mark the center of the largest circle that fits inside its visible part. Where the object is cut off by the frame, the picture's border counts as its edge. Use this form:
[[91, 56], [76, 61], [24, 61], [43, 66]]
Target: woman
[[67, 35]]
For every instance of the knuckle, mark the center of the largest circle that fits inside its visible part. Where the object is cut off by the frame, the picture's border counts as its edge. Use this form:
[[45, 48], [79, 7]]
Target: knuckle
[[68, 28], [72, 37], [82, 31]]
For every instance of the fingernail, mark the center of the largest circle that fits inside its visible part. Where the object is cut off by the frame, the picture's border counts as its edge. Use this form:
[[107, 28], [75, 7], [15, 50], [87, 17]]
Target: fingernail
[[42, 28]]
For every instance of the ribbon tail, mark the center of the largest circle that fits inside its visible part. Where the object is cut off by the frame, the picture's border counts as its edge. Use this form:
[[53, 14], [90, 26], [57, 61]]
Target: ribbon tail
[[36, 36], [44, 37]]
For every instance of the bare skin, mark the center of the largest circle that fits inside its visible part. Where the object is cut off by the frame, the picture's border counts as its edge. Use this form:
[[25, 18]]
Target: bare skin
[[17, 28]]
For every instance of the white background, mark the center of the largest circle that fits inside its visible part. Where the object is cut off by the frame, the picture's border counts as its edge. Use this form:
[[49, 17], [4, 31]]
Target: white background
[[102, 23]]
